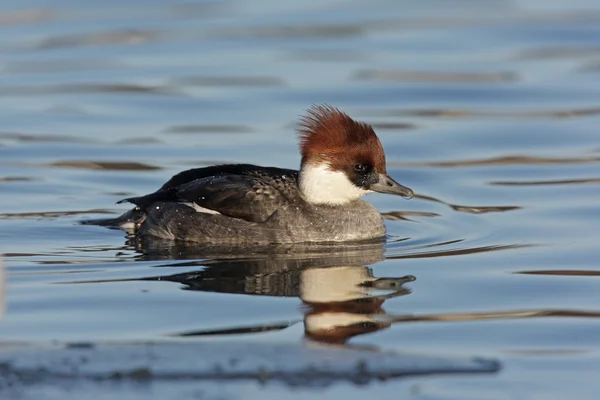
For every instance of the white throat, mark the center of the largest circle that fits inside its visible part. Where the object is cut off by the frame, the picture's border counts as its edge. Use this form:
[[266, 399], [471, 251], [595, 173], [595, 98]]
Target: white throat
[[320, 185]]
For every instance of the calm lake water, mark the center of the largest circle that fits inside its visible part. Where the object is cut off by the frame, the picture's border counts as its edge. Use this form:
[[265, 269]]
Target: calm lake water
[[489, 110]]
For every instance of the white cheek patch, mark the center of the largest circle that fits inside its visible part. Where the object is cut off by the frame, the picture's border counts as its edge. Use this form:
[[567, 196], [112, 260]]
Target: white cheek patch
[[320, 185], [201, 209]]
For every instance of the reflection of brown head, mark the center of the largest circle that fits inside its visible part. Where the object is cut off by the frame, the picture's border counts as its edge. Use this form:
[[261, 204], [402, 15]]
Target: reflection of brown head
[[341, 303], [337, 327]]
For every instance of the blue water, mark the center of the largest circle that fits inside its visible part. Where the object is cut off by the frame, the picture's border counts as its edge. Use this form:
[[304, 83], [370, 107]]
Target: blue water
[[488, 110]]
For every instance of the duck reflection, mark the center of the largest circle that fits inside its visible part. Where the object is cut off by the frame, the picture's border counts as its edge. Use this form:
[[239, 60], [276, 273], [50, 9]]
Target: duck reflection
[[344, 301], [341, 296]]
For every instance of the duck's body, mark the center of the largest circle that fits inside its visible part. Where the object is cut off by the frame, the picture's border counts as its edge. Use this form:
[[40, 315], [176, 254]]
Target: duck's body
[[242, 203]]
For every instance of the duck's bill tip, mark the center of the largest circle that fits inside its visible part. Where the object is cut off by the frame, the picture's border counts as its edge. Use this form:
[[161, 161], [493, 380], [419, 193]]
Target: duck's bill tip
[[387, 185]]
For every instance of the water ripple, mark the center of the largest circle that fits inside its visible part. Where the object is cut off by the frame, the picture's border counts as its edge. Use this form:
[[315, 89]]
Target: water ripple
[[549, 182], [504, 160], [110, 165], [437, 77]]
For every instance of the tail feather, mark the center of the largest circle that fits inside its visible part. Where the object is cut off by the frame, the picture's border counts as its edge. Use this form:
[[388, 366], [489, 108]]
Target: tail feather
[[129, 220], [128, 200], [143, 202]]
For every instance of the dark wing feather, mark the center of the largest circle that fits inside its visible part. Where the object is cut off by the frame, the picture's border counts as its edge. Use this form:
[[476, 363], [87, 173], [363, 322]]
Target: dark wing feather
[[216, 170], [237, 196]]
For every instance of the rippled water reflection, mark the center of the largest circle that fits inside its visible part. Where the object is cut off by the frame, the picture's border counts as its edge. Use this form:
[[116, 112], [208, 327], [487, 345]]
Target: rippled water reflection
[[488, 110]]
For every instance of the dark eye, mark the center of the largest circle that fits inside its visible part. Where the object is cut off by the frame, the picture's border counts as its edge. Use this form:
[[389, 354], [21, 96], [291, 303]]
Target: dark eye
[[360, 167]]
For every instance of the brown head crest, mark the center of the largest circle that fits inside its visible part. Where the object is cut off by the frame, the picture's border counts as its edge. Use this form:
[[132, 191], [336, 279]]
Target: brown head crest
[[329, 135]]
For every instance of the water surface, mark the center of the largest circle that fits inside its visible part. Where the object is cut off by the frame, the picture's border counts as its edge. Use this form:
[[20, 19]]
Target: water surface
[[488, 110]]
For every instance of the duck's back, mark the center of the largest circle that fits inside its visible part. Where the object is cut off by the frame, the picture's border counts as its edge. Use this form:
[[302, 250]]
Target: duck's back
[[281, 178]]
